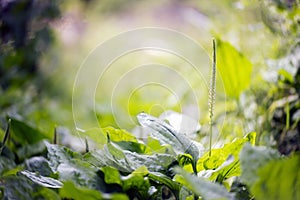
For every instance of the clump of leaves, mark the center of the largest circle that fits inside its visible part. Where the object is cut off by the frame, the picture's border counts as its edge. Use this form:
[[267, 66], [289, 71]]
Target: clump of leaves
[[126, 168]]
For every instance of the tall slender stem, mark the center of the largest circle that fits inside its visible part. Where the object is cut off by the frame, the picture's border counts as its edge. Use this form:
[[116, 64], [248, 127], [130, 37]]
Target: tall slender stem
[[212, 94]]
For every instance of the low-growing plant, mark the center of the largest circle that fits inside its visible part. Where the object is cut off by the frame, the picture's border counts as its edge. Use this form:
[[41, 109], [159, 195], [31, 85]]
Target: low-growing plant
[[117, 165]]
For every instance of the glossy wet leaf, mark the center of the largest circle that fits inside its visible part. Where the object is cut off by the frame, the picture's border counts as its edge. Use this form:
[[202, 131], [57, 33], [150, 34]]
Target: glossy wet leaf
[[168, 135], [206, 189], [234, 67], [127, 161], [155, 162], [42, 180], [103, 158], [71, 166], [59, 154], [180, 122]]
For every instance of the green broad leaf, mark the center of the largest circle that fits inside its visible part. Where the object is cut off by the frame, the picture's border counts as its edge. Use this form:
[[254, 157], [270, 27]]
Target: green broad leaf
[[184, 159], [127, 161], [204, 188], [47, 194], [278, 179], [118, 135], [6, 164], [252, 158], [42, 180], [186, 162], [31, 150], [155, 162], [24, 133], [59, 154], [286, 75], [71, 191], [38, 164], [132, 160], [16, 187], [81, 173], [163, 179], [111, 175], [134, 147], [185, 194], [102, 158], [217, 174], [156, 147], [72, 167], [141, 170], [168, 135], [136, 185], [115, 151], [97, 136], [234, 67], [13, 171], [223, 162]]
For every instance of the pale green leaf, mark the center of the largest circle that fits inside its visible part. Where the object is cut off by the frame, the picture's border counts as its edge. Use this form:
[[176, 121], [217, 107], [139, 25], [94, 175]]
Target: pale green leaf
[[252, 158], [215, 167], [234, 67], [204, 188], [111, 175], [118, 135], [278, 179]]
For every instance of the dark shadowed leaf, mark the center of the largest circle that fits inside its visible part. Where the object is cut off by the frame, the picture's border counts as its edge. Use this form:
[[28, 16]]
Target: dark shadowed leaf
[[34, 149], [17, 187], [71, 191], [71, 166], [38, 164], [136, 185], [6, 164], [24, 133]]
